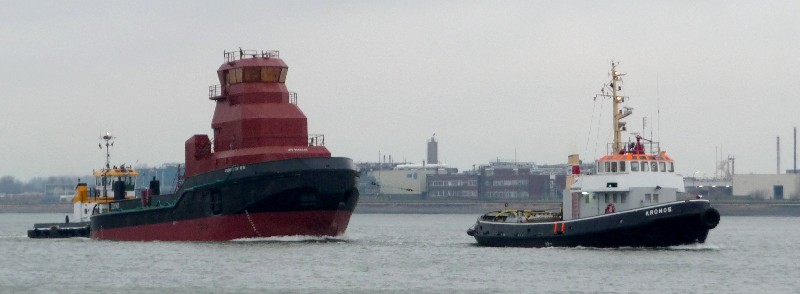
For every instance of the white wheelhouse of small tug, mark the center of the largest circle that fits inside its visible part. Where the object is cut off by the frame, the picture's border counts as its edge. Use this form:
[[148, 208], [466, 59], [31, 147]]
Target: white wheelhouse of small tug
[[630, 176]]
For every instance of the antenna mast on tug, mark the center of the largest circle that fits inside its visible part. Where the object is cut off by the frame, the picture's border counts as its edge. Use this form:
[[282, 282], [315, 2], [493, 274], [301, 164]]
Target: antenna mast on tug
[[617, 99], [108, 138]]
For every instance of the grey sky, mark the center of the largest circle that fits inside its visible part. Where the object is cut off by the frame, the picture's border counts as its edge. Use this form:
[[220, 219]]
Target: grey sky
[[489, 78]]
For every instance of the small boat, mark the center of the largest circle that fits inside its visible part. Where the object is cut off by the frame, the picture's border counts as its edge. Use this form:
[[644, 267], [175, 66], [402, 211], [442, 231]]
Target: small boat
[[120, 181], [632, 198]]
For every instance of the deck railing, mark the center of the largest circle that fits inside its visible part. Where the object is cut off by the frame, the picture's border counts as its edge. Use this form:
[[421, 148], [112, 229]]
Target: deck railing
[[215, 92], [231, 56], [313, 141], [316, 140], [648, 147]]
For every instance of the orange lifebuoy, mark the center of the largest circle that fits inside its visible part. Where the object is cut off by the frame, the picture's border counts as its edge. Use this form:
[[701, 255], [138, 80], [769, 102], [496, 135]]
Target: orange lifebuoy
[[610, 208]]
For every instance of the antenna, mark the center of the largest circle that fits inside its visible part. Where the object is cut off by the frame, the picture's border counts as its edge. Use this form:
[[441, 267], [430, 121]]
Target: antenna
[[616, 98], [658, 108], [644, 124], [109, 142]]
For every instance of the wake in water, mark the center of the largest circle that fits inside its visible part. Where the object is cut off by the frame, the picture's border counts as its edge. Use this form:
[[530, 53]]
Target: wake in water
[[691, 247], [696, 247], [296, 239]]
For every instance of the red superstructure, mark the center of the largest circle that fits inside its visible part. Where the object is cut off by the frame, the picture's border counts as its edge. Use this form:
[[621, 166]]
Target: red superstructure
[[256, 118]]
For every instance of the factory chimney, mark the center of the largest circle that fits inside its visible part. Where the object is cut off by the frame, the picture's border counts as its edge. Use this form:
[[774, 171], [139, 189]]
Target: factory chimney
[[433, 150], [779, 154]]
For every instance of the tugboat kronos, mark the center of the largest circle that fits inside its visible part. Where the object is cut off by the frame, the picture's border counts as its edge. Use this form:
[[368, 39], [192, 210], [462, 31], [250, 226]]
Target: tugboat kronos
[[630, 199]]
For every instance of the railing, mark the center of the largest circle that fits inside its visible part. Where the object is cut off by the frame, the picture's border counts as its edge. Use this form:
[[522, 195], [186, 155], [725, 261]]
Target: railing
[[648, 147], [215, 92], [231, 56], [313, 140], [316, 140]]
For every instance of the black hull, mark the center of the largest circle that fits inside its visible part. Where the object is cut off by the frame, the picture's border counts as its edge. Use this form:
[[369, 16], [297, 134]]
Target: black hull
[[292, 185], [671, 224]]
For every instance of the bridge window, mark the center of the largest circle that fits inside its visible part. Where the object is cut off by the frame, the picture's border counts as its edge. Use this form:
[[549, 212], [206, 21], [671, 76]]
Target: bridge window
[[608, 166], [635, 166], [234, 76], [613, 166], [252, 74], [129, 183], [623, 197], [663, 166], [622, 166], [653, 166], [671, 167], [273, 74], [655, 198], [645, 166], [255, 74], [648, 198]]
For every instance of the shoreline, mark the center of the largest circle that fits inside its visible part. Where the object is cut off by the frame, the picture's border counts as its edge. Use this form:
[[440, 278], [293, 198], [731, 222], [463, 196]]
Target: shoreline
[[477, 208]]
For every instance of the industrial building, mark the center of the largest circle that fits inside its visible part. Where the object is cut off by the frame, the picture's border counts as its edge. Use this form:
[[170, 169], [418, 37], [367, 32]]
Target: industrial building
[[434, 180], [767, 186]]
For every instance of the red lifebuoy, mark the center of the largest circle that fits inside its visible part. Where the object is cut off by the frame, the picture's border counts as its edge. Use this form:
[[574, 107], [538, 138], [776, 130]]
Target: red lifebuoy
[[610, 208]]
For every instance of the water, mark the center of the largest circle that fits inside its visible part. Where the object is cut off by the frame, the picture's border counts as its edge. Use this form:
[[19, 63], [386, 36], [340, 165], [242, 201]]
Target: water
[[399, 253]]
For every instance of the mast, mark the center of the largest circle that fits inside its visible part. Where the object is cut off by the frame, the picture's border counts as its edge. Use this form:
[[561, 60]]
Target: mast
[[108, 139], [616, 90], [617, 99]]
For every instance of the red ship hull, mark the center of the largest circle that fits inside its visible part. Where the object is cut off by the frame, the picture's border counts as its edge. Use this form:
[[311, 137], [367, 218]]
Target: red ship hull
[[231, 227]]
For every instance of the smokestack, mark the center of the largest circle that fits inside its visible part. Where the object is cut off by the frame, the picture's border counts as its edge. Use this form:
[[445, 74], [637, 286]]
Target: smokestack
[[779, 154], [433, 150]]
